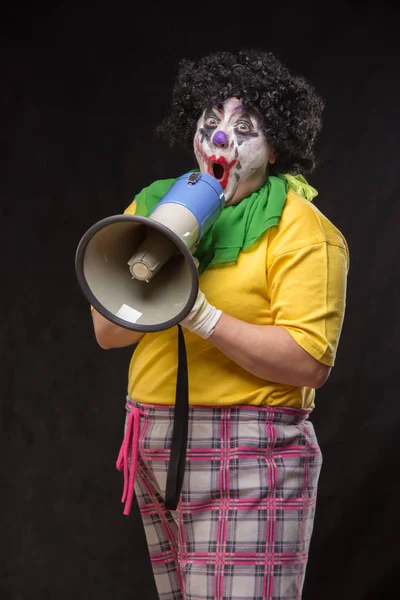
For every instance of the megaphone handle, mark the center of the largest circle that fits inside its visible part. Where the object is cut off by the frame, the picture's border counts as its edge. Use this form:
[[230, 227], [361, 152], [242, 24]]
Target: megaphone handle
[[177, 458]]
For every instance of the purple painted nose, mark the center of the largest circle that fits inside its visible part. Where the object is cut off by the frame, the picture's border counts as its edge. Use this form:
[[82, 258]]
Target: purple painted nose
[[220, 138]]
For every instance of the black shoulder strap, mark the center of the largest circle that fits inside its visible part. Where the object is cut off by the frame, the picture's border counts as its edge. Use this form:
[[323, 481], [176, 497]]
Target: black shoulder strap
[[176, 466]]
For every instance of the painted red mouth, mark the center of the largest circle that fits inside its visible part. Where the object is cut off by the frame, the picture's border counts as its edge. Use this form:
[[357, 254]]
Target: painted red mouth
[[220, 169]]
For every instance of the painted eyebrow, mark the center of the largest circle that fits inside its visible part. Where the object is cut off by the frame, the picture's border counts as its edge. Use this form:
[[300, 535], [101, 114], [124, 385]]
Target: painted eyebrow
[[244, 115], [210, 111], [244, 112]]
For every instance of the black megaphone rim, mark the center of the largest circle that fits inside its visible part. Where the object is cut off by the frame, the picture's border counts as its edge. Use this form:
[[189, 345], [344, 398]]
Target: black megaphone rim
[[79, 269]]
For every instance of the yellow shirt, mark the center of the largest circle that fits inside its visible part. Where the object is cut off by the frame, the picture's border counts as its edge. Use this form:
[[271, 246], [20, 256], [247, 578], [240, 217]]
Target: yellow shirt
[[295, 277]]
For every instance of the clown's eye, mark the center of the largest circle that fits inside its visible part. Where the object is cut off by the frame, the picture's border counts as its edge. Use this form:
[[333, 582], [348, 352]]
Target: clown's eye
[[211, 122], [243, 127]]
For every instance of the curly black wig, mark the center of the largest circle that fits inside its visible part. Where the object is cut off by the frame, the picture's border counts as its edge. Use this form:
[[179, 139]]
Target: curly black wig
[[290, 107]]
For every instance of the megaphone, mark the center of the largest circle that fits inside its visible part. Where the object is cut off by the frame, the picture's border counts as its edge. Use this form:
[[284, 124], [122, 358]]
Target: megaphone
[[139, 272]]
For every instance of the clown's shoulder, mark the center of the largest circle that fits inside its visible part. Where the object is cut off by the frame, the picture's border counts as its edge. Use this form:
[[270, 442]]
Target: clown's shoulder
[[303, 224]]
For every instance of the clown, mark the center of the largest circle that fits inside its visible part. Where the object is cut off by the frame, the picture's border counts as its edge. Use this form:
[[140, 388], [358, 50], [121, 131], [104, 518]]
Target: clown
[[261, 339]]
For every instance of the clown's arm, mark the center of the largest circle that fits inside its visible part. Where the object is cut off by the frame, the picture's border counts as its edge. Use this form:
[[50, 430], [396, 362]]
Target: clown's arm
[[307, 310], [269, 352], [110, 336]]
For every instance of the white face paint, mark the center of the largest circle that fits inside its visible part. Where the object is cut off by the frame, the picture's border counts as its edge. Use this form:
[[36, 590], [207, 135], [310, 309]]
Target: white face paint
[[230, 145]]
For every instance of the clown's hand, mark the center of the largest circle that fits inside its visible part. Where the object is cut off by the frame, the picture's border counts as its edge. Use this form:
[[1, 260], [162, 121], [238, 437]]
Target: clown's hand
[[203, 317]]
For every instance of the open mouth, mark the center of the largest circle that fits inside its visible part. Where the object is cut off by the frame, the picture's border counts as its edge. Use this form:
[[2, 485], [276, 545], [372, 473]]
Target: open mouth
[[218, 170]]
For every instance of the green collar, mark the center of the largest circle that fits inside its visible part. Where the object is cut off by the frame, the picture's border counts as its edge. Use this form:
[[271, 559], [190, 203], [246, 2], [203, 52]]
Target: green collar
[[238, 227]]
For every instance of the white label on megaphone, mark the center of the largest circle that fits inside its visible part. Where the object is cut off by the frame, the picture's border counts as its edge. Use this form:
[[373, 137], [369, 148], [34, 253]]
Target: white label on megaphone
[[128, 314]]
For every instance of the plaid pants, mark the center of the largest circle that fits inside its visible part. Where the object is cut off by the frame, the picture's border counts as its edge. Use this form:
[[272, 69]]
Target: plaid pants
[[243, 526]]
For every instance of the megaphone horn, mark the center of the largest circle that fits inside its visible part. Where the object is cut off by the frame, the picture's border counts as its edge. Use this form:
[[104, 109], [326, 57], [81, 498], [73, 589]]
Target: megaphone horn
[[139, 272]]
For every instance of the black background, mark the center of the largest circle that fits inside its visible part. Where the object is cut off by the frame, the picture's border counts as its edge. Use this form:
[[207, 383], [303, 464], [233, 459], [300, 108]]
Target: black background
[[81, 92]]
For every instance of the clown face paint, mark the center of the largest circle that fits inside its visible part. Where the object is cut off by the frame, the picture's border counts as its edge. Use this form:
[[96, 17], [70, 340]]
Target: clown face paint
[[230, 145]]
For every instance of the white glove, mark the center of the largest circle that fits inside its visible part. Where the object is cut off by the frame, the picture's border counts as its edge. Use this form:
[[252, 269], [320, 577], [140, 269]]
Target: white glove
[[203, 317]]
